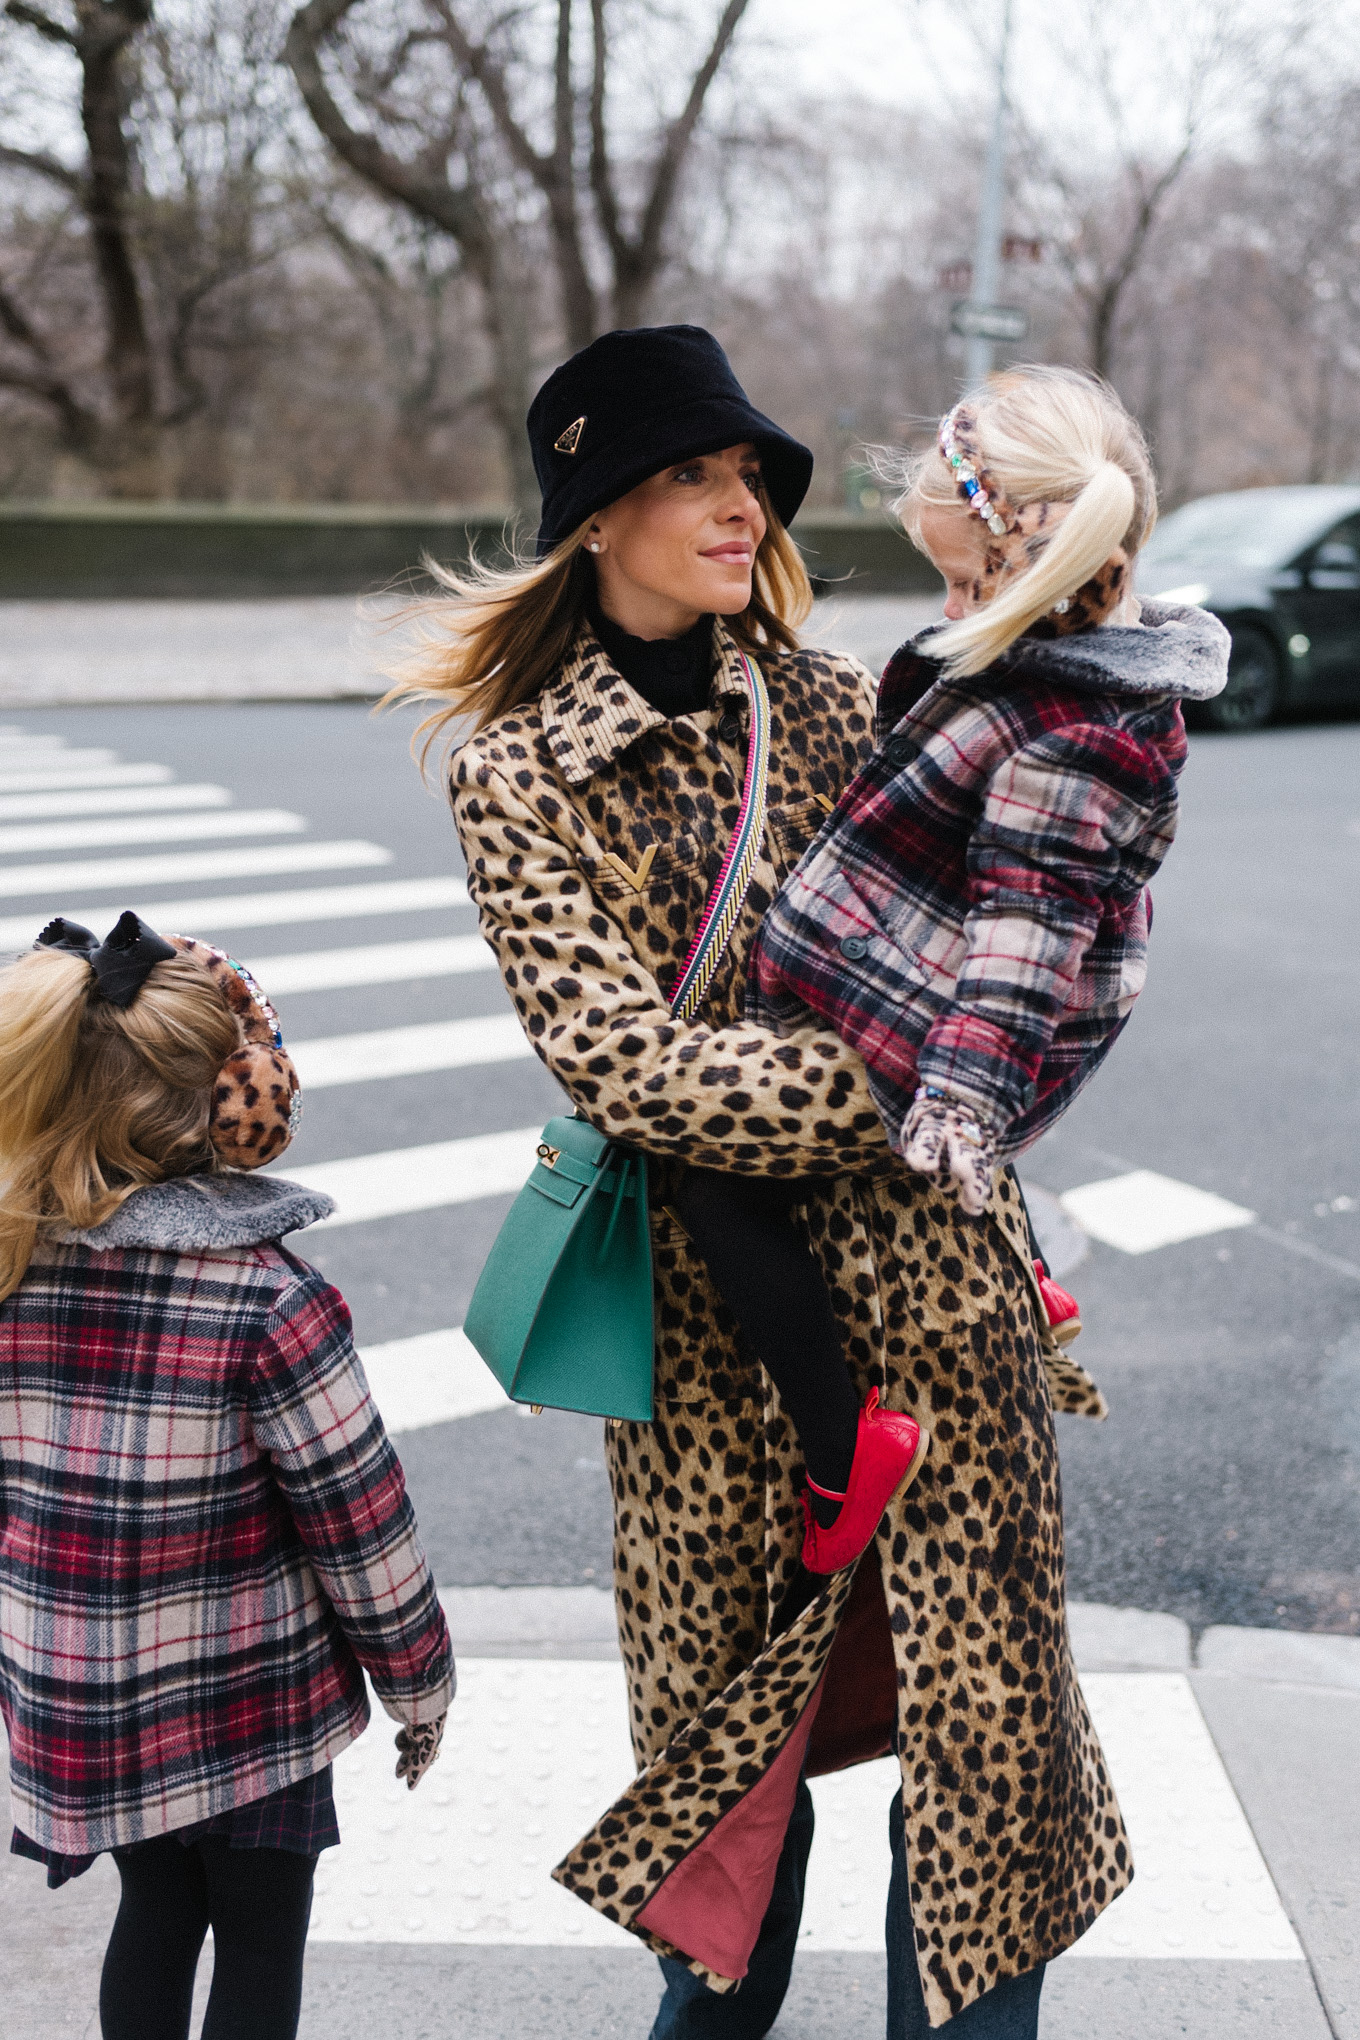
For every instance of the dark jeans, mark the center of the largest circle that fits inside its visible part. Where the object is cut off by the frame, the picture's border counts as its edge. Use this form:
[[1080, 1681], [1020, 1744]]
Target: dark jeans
[[257, 1902], [690, 2011]]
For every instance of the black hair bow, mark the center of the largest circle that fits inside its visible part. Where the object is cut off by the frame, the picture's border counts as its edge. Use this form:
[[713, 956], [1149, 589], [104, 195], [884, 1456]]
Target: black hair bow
[[121, 963]]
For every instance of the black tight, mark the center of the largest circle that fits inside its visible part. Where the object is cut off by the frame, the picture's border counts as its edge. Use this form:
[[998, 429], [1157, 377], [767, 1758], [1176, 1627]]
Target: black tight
[[758, 1256], [257, 1902]]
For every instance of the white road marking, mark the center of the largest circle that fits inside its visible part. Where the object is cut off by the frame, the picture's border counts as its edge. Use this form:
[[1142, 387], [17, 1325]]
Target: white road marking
[[1201, 1891], [116, 800], [174, 828], [37, 779], [430, 1379], [407, 1051], [537, 1752], [217, 914], [1142, 1211], [30, 755], [124, 872], [378, 963], [421, 1178], [540, 1750]]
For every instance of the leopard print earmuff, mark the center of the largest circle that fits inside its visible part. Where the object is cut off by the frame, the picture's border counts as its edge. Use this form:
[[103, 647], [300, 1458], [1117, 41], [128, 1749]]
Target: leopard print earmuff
[[1017, 537], [257, 1101]]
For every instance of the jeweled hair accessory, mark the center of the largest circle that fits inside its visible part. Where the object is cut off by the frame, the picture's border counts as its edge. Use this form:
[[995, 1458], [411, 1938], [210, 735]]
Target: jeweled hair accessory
[[980, 494]]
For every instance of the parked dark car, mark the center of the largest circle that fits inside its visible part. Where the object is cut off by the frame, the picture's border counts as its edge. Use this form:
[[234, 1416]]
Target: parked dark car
[[1282, 569]]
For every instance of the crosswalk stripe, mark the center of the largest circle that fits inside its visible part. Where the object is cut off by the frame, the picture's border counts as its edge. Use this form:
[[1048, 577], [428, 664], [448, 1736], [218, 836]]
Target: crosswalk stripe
[[1142, 1211], [433, 1378], [543, 1750], [377, 963], [408, 1051], [116, 800], [31, 740], [420, 1178], [172, 828], [216, 915], [44, 757], [36, 778], [122, 872]]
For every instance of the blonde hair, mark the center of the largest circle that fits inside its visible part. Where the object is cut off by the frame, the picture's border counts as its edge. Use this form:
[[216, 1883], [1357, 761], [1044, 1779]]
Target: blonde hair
[[1045, 435], [495, 637], [95, 1099]]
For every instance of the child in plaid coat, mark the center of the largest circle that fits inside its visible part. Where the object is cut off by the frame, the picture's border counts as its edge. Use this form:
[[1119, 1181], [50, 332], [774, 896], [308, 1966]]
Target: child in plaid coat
[[205, 1538], [973, 917]]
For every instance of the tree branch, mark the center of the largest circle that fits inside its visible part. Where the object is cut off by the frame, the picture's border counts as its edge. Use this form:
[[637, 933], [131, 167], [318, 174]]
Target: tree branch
[[601, 169], [42, 165], [79, 424], [638, 258], [553, 174], [456, 212], [33, 17]]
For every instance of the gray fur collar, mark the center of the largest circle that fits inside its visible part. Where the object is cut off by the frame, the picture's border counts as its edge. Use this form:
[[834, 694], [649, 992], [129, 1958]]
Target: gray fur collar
[[200, 1214], [1174, 650]]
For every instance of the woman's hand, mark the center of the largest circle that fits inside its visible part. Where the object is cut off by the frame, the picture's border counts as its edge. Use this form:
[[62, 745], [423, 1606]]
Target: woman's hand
[[945, 1140], [417, 1749]]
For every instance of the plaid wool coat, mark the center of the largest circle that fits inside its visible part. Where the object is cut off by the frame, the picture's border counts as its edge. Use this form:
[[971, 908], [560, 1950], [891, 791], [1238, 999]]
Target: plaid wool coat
[[975, 915], [204, 1530]]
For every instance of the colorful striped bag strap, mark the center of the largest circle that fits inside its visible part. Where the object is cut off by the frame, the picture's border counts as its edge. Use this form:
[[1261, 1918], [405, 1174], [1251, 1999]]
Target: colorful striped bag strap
[[734, 880]]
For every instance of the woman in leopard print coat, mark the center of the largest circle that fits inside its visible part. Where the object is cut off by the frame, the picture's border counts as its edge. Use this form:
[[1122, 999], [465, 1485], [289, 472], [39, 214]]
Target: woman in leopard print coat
[[593, 826]]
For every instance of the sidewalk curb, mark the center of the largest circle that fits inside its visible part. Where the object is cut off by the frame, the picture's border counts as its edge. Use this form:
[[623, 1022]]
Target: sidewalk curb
[[579, 1622]]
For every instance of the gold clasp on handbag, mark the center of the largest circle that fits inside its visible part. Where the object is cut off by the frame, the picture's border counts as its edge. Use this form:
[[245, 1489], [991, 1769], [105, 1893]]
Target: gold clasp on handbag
[[549, 1156], [535, 1409]]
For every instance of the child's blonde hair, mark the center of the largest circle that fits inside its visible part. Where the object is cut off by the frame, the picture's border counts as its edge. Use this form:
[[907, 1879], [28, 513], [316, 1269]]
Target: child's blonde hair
[[1045, 435], [95, 1099]]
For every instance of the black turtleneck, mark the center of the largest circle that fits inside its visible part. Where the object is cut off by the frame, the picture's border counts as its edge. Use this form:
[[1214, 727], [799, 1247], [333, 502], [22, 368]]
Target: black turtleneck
[[672, 674]]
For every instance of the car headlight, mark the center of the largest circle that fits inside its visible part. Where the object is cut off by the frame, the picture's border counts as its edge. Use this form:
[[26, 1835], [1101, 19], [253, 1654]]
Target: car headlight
[[1191, 595]]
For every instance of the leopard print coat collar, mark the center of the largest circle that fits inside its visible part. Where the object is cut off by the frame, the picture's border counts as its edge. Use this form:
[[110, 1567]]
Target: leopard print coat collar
[[591, 715]]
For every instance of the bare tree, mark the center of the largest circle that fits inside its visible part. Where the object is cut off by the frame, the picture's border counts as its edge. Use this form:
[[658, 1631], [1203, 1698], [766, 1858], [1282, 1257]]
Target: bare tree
[[163, 214], [98, 34], [1102, 200], [468, 167]]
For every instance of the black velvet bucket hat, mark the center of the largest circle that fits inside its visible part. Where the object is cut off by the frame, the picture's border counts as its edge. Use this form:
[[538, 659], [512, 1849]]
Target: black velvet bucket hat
[[639, 400]]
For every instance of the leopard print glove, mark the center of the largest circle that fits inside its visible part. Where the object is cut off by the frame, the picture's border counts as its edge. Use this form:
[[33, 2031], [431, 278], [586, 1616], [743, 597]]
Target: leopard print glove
[[945, 1140], [417, 1749]]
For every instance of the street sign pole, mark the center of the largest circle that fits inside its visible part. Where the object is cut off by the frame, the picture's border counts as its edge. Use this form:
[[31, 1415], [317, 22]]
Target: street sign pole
[[987, 254]]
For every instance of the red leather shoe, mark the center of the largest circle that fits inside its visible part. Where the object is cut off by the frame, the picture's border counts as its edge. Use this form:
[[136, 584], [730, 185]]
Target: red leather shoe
[[889, 1448], [1064, 1312]]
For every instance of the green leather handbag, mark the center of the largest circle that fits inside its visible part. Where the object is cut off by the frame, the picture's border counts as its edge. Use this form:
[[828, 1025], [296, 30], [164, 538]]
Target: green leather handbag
[[562, 1311]]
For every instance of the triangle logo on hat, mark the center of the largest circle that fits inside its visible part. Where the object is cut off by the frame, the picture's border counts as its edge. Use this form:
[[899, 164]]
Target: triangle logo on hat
[[568, 441]]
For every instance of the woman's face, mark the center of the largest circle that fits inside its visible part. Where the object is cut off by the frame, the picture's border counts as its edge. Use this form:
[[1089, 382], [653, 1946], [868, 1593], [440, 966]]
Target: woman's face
[[681, 545]]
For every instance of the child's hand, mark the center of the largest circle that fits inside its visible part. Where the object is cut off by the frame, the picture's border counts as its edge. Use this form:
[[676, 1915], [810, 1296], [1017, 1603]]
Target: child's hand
[[417, 1749], [946, 1141]]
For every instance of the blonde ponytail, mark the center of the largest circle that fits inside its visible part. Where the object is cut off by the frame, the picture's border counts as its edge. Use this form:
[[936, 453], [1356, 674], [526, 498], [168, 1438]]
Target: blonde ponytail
[[1049, 436], [95, 1099]]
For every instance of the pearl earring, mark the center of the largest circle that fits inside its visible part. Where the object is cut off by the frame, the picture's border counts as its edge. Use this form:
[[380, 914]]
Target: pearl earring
[[593, 546]]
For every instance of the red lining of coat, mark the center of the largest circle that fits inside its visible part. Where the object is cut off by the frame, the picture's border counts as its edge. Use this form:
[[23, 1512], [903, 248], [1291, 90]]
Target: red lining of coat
[[858, 1710], [713, 1904]]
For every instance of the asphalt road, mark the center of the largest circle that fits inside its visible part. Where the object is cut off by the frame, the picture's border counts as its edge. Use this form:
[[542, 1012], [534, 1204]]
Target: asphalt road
[[1226, 1485]]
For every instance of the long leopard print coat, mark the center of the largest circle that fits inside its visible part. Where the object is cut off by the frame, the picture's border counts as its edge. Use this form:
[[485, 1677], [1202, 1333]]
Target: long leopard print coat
[[593, 828]]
